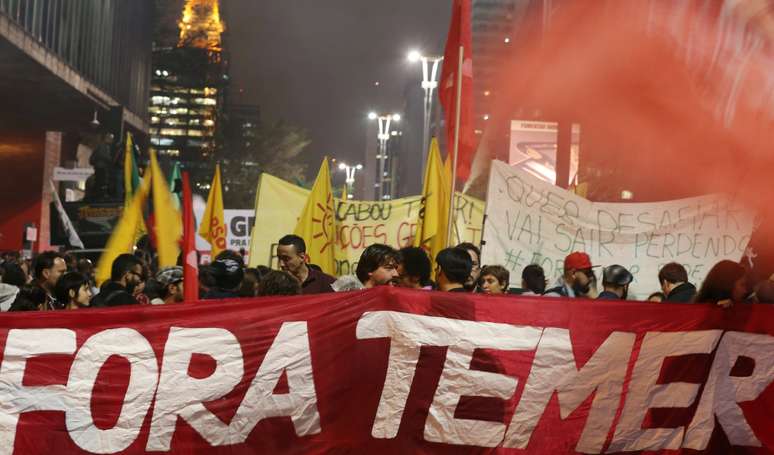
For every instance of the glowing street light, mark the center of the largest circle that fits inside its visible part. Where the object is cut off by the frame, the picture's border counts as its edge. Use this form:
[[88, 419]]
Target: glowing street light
[[385, 122], [350, 173], [430, 66]]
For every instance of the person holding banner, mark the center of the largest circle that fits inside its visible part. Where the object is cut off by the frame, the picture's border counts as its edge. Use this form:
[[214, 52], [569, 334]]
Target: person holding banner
[[171, 281], [454, 266], [414, 269], [494, 279], [292, 257], [615, 280], [674, 283], [378, 266], [578, 279], [126, 274]]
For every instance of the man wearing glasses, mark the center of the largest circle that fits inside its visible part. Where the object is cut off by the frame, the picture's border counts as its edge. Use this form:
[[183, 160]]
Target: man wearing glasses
[[578, 279], [125, 275]]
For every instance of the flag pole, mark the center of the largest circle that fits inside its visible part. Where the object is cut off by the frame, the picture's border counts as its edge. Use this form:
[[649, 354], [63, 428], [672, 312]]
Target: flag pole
[[456, 147]]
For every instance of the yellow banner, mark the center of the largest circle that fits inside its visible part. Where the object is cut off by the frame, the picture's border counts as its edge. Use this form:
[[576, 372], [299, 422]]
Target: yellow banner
[[359, 223]]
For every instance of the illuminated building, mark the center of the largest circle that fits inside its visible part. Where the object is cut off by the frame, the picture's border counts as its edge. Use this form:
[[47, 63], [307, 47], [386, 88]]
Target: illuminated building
[[188, 85]]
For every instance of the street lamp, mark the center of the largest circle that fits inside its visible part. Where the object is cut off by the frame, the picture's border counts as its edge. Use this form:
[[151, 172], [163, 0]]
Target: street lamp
[[350, 172], [385, 122], [429, 84]]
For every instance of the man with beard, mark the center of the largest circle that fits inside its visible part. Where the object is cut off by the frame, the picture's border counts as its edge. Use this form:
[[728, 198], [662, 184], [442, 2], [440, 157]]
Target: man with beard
[[378, 266], [125, 274], [615, 280], [292, 258], [578, 278]]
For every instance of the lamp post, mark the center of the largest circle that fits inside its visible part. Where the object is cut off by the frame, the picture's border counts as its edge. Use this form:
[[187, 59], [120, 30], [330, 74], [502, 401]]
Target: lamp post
[[430, 66], [350, 172], [385, 122]]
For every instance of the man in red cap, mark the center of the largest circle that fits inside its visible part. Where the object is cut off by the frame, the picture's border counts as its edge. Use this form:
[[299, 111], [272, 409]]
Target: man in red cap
[[578, 280]]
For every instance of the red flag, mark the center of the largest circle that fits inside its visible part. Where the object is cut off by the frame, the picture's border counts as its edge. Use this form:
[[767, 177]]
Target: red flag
[[190, 257], [459, 39]]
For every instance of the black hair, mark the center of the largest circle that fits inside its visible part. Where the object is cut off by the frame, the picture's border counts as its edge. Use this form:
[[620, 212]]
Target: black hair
[[294, 240], [534, 278], [45, 261], [13, 274], [230, 254], [719, 283], [373, 257], [455, 264], [467, 246], [660, 295], [249, 284], [30, 298], [70, 281], [673, 273], [122, 265], [279, 283], [153, 289], [416, 264]]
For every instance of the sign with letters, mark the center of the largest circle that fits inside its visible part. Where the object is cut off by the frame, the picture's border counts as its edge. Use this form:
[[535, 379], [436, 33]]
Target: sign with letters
[[529, 221], [389, 371], [358, 223]]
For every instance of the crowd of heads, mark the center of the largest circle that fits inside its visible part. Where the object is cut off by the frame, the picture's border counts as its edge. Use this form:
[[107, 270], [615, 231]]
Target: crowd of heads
[[55, 281]]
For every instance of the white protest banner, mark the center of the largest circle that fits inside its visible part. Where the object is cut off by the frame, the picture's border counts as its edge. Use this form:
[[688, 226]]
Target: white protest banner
[[529, 221]]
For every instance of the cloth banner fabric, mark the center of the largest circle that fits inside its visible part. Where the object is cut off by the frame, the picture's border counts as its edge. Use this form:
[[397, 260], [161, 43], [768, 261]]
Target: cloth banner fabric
[[359, 223], [530, 221], [389, 371]]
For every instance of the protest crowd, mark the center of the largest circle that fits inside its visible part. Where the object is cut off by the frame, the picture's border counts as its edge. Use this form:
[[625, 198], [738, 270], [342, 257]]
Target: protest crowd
[[59, 281]]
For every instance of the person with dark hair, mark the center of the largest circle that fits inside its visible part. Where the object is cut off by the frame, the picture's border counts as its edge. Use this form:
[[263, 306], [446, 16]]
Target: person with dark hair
[[475, 271], [278, 283], [9, 287], [249, 286], [453, 269], [378, 266], [656, 297], [725, 284], [292, 257], [228, 273], [674, 284], [152, 291], [615, 281], [533, 280], [30, 298], [71, 262], [494, 279], [86, 268], [578, 279], [48, 267], [414, 269], [171, 281], [126, 274], [74, 290]]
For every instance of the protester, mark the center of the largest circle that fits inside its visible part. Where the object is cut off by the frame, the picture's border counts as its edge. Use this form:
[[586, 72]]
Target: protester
[[278, 283], [494, 279], [73, 289], [725, 284], [171, 281], [250, 283], [615, 281], [71, 261], [414, 269], [656, 297], [126, 274], [152, 291], [533, 280], [292, 257], [453, 269], [475, 271], [13, 274], [227, 274], [49, 266], [578, 279], [30, 298], [378, 266], [674, 284]]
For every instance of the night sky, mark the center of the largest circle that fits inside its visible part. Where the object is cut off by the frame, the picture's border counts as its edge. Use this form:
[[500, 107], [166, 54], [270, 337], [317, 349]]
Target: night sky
[[314, 63]]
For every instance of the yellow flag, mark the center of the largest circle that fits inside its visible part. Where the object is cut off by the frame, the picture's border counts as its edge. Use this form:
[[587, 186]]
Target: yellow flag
[[317, 224], [168, 225], [432, 226], [123, 237], [213, 225]]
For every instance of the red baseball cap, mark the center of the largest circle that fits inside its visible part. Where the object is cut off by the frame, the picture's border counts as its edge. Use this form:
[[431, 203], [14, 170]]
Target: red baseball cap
[[577, 261]]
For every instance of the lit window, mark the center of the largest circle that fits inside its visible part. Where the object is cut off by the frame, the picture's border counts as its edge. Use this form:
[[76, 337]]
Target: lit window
[[153, 131], [194, 121], [155, 119], [161, 141], [170, 152], [178, 111], [210, 91], [160, 100], [195, 133], [205, 101], [172, 132], [154, 109], [208, 122]]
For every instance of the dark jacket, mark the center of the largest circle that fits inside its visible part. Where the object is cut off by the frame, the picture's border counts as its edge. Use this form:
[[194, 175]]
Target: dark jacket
[[218, 294], [317, 283], [112, 294], [607, 295], [682, 294]]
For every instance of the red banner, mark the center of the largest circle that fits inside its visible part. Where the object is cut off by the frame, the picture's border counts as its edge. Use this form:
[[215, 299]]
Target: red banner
[[389, 371]]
